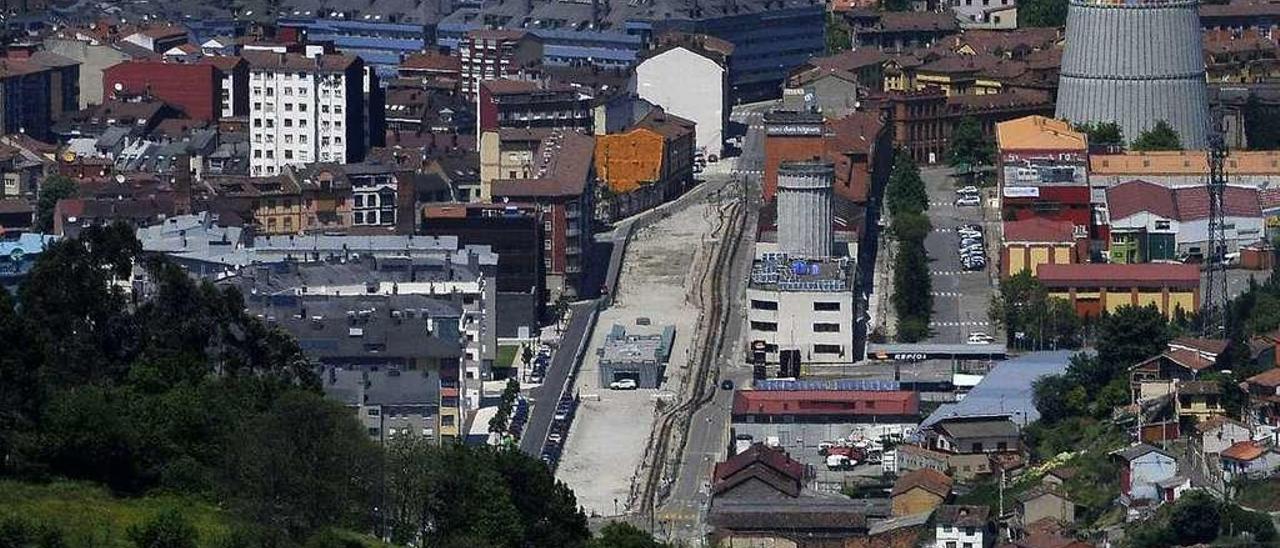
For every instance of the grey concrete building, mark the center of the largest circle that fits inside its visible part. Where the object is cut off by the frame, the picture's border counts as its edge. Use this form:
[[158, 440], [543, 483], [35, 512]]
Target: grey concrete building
[[642, 358], [1136, 63]]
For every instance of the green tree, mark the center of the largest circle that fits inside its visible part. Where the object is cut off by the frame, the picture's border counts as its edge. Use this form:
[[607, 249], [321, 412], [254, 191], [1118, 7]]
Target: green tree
[[906, 191], [1260, 130], [1042, 13], [968, 145], [1131, 334], [1031, 318], [1160, 137], [52, 189], [838, 36], [167, 529], [620, 534], [1102, 133], [1195, 518], [1057, 398], [303, 465]]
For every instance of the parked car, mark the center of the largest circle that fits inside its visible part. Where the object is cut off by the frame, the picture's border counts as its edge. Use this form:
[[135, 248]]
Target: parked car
[[555, 438], [979, 337], [624, 384], [968, 201], [970, 189]]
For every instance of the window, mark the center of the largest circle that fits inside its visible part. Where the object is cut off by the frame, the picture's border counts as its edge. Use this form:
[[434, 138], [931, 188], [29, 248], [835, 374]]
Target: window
[[373, 431], [826, 307], [828, 349], [302, 107], [288, 154], [763, 305], [1162, 225], [826, 328], [764, 326], [359, 200], [358, 217], [288, 91], [288, 107], [446, 420], [977, 447]]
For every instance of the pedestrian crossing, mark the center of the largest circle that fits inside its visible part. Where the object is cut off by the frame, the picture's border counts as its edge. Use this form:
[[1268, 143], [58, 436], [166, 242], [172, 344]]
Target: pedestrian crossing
[[959, 324], [939, 204], [956, 294], [755, 172], [953, 272]]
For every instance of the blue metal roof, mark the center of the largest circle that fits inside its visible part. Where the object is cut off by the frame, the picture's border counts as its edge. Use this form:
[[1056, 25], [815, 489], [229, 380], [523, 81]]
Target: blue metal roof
[[1006, 390], [26, 244]]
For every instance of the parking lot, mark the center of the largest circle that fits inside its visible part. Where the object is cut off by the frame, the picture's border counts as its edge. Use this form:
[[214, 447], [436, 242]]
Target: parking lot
[[960, 296], [802, 442]]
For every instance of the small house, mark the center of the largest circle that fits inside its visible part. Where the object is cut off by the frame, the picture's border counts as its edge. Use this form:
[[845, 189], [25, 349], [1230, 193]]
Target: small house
[[1142, 466], [919, 491]]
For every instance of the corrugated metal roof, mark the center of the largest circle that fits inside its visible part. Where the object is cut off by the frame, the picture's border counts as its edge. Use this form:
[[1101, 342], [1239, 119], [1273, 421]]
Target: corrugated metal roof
[[1006, 390]]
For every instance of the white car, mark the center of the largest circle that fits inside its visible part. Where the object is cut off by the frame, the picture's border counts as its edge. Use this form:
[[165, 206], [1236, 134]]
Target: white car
[[980, 338], [967, 190], [968, 201], [624, 384]]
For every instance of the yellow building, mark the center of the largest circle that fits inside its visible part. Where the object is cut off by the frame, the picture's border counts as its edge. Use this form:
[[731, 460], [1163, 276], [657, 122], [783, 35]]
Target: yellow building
[[919, 491], [1093, 288], [1199, 399]]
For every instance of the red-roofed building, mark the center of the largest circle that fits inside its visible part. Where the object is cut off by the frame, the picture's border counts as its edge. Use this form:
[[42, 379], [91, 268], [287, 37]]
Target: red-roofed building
[[1042, 171], [1151, 222], [821, 406], [1036, 241], [1249, 459], [1264, 396], [194, 88], [1093, 288]]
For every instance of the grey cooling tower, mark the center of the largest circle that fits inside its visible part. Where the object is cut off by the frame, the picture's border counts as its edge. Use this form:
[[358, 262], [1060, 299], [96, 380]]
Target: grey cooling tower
[[1135, 63], [804, 209]]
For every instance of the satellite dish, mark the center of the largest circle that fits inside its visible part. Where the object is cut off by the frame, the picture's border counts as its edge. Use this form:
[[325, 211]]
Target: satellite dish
[[120, 178], [119, 86]]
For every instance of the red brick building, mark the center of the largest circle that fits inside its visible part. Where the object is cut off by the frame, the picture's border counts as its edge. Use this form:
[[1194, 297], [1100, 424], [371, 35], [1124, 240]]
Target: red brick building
[[818, 406], [859, 145], [194, 88]]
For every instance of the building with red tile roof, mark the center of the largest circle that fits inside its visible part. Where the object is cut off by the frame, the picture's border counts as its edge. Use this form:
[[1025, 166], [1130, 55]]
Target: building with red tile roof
[[1093, 288], [1030, 243], [818, 406]]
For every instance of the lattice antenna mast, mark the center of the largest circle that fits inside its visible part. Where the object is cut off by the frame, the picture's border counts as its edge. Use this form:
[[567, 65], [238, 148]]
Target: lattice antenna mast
[[1214, 309]]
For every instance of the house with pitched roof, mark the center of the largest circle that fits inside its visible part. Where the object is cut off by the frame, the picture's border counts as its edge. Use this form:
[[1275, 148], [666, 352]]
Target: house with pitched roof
[[1249, 459], [1142, 467], [957, 526], [1215, 434], [1264, 396], [1151, 222], [1029, 243], [1094, 287], [1184, 360], [759, 497], [1044, 501], [919, 491]]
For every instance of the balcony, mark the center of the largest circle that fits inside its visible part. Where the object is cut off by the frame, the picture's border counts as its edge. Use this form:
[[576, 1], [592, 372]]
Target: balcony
[[573, 268], [572, 231], [573, 250]]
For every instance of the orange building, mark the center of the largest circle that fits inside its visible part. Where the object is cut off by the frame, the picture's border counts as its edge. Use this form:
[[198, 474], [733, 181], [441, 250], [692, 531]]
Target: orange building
[[1030, 243], [645, 166]]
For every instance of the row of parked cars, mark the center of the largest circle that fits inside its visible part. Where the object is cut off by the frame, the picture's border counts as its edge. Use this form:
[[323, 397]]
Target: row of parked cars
[[972, 247], [554, 447], [519, 417], [541, 361], [968, 196]]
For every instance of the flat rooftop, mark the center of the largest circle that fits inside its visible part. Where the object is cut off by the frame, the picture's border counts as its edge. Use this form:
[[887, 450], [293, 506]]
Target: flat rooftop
[[777, 271]]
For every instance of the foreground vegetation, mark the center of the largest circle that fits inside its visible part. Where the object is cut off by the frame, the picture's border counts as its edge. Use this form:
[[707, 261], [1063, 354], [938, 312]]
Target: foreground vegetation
[[912, 298], [183, 421]]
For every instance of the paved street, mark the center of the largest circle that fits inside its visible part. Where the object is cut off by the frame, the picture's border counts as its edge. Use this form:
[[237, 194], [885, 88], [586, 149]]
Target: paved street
[[960, 298], [682, 515], [544, 397]]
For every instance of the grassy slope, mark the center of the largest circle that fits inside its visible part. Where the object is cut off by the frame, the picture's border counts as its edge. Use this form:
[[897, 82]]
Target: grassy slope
[[90, 516]]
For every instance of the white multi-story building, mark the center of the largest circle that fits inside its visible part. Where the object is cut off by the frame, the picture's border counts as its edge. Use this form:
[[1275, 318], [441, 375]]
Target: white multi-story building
[[962, 527], [802, 305], [304, 109]]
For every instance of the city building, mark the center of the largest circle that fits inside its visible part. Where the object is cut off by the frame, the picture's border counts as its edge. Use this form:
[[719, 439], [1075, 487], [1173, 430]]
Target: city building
[[530, 105], [1029, 243], [380, 44], [1135, 81], [636, 357], [646, 166], [1199, 399], [900, 31], [1044, 501], [1264, 397], [305, 109], [769, 38], [759, 498], [29, 96], [1150, 222], [194, 88], [1249, 460], [1042, 171], [233, 72], [431, 66], [920, 490], [824, 406], [922, 121], [789, 136], [802, 304], [560, 181], [974, 435], [1142, 467], [157, 39], [680, 62], [375, 193], [93, 55], [497, 55], [1092, 288], [515, 233], [1250, 168], [312, 198], [858, 144], [958, 526], [833, 85]]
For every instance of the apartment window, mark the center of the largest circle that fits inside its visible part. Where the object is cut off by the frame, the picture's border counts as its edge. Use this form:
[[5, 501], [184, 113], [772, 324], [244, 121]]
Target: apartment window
[[826, 307], [302, 138], [257, 122], [977, 447], [271, 123], [337, 109], [271, 153], [288, 223], [257, 154], [826, 328], [359, 200], [373, 431], [763, 305], [288, 122], [828, 349], [288, 154], [358, 217], [374, 411], [302, 122], [271, 92], [1162, 225], [446, 420], [324, 109], [764, 326], [302, 107], [302, 91], [257, 106], [288, 107]]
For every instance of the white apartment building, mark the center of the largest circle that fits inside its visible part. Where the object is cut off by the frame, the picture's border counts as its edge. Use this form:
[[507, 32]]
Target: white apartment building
[[962, 527], [304, 109], [802, 305]]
